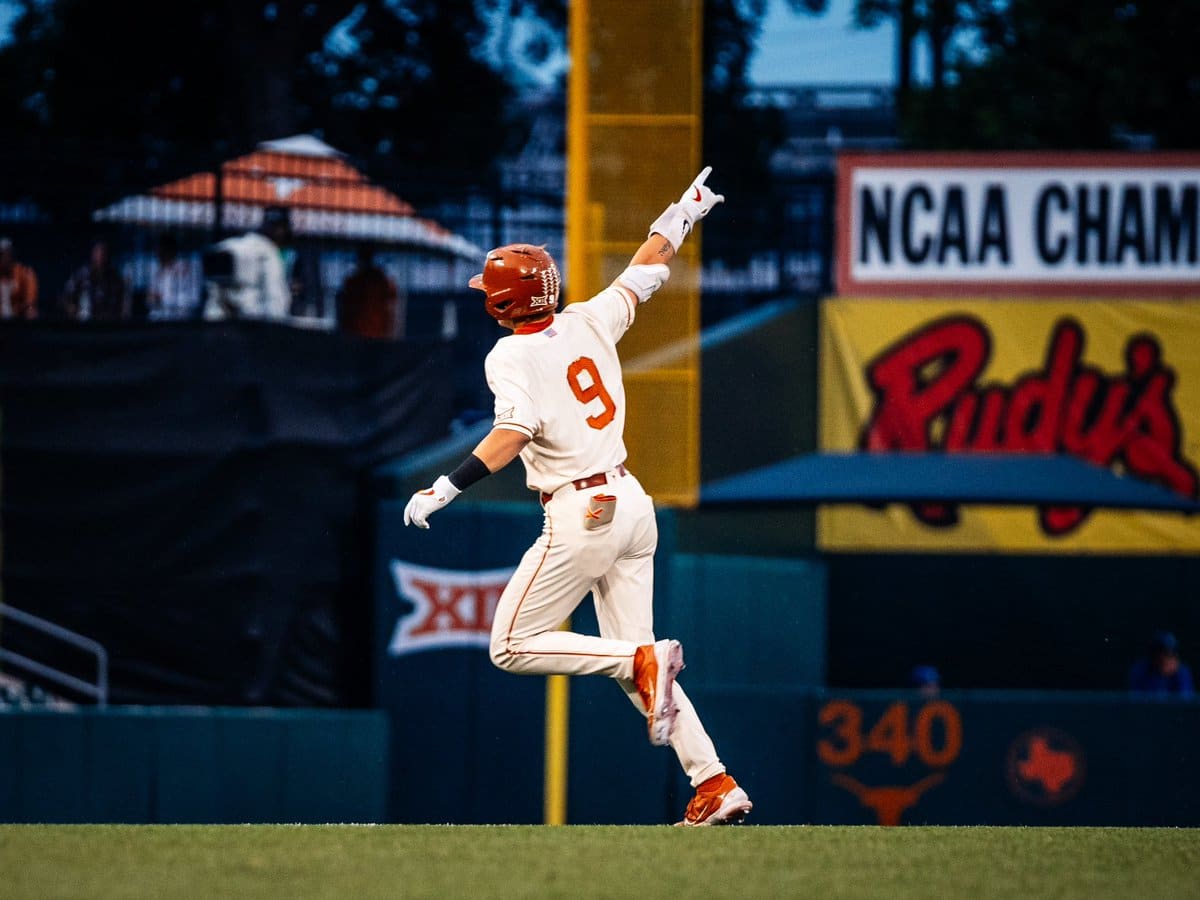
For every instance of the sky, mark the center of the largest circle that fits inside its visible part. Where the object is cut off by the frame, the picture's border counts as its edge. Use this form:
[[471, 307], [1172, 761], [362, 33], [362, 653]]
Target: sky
[[794, 49], [800, 49]]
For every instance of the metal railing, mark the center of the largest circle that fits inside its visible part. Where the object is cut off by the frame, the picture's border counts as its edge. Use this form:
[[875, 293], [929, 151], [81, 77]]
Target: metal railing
[[97, 690]]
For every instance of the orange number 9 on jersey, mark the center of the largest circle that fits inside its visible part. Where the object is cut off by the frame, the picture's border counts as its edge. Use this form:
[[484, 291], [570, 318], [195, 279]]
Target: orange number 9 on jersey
[[594, 390]]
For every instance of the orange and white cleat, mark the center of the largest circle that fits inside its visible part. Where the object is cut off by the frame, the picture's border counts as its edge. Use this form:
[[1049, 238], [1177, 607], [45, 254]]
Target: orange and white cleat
[[718, 801], [654, 669]]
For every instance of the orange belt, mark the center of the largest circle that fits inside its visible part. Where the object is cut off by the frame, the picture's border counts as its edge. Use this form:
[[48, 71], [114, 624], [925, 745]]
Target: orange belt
[[582, 484]]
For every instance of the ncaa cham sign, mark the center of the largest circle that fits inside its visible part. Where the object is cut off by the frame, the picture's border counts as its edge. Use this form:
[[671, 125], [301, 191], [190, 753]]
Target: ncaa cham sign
[[1019, 223]]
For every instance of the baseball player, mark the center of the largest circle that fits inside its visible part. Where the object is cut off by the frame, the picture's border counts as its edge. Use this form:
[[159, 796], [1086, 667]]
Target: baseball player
[[560, 406]]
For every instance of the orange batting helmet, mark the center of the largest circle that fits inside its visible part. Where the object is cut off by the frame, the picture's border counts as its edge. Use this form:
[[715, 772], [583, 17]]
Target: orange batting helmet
[[518, 281]]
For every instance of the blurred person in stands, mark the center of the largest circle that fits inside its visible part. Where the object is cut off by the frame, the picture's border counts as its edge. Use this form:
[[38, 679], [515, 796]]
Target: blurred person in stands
[[18, 285], [303, 268], [925, 680], [1161, 672], [368, 303], [173, 290], [97, 290], [247, 274]]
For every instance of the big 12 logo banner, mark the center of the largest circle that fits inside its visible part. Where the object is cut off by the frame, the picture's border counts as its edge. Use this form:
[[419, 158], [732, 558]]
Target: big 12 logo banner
[[444, 608]]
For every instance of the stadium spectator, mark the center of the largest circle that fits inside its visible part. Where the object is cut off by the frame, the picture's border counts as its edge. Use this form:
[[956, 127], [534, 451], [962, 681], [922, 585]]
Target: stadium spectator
[[925, 680], [303, 268], [1161, 672], [368, 303], [247, 274], [97, 290], [173, 290], [18, 285]]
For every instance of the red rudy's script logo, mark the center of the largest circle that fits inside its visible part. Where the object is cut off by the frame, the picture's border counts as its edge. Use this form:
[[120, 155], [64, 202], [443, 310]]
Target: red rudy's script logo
[[928, 396], [450, 608]]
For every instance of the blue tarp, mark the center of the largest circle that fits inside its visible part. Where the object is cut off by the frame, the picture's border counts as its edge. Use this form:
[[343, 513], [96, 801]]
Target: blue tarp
[[997, 479]]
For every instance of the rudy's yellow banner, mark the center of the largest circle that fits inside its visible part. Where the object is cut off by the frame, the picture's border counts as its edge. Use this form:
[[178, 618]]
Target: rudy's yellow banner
[[1114, 383]]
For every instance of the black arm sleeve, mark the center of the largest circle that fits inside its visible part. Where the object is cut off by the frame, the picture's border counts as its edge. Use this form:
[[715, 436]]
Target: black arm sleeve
[[469, 471]]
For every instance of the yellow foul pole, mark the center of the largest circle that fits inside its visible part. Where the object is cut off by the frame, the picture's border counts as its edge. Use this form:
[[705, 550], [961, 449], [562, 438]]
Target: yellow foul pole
[[558, 687], [633, 142]]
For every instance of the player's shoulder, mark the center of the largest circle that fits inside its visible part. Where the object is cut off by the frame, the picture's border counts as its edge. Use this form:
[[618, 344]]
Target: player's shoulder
[[511, 345], [509, 350], [500, 351], [588, 307], [607, 315], [592, 311]]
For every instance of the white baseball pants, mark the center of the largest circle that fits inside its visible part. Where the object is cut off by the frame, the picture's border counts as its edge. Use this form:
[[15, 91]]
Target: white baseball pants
[[616, 563]]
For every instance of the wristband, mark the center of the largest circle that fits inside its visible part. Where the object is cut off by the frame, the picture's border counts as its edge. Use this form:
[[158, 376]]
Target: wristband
[[469, 471], [644, 280], [673, 224]]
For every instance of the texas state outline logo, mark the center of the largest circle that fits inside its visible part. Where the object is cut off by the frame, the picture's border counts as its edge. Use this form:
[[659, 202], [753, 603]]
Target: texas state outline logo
[[1045, 767]]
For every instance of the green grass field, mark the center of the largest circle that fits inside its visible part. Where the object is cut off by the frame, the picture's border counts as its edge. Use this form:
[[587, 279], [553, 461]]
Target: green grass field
[[100, 862]]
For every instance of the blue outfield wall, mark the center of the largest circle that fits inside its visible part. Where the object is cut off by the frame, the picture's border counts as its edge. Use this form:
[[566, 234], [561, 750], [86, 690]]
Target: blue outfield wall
[[753, 632], [466, 733], [193, 765], [964, 758]]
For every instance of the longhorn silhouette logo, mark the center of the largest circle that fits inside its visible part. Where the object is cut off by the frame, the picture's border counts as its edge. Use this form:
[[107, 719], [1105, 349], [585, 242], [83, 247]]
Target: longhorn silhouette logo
[[888, 803]]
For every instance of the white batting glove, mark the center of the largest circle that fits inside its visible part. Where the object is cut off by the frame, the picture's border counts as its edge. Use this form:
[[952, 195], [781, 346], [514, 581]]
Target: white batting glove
[[699, 198], [677, 220], [424, 503]]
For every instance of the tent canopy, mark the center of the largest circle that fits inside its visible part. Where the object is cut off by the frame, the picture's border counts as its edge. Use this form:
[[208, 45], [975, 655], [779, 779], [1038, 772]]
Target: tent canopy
[[995, 479], [328, 197]]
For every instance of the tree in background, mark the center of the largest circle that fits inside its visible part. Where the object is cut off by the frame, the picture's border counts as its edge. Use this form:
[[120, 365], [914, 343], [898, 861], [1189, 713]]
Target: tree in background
[[113, 92], [737, 137], [739, 140], [109, 98], [105, 97], [113, 96], [1045, 73], [1071, 74], [404, 87], [872, 14]]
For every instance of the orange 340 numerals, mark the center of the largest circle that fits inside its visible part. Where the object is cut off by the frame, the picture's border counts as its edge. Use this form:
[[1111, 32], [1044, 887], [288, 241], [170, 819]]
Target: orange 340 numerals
[[593, 389], [935, 735]]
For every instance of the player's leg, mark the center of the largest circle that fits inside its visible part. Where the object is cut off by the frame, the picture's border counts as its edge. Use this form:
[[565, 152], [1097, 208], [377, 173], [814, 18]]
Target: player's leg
[[719, 799], [624, 599], [547, 586]]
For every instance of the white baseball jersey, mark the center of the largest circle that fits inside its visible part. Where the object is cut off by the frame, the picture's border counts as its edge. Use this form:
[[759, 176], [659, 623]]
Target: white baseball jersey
[[562, 387]]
